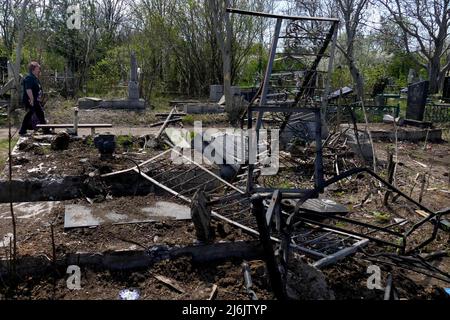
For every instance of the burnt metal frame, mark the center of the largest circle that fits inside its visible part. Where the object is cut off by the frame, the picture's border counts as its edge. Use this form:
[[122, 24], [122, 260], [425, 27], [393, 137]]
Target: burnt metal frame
[[434, 217], [278, 269], [331, 37], [318, 167]]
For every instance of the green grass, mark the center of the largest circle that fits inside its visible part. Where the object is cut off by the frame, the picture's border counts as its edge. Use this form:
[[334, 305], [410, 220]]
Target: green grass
[[188, 119], [381, 217], [340, 224], [4, 150], [124, 140]]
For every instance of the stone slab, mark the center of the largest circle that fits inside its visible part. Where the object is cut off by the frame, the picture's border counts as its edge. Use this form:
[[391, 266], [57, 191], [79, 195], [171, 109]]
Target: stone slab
[[78, 216], [417, 99]]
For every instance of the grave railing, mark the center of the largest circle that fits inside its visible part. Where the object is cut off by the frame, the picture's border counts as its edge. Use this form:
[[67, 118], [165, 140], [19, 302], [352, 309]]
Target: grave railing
[[374, 113], [437, 112]]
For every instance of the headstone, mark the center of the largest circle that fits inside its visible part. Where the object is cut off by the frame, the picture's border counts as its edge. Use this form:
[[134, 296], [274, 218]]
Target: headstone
[[235, 91], [215, 92], [417, 99], [446, 91], [4, 68], [133, 85], [361, 145]]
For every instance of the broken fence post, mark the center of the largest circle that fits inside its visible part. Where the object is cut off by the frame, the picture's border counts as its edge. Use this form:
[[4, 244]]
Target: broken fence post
[[201, 216]]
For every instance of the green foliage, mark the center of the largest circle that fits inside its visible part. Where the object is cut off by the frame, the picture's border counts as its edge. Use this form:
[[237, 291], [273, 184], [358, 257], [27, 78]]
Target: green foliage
[[106, 73], [381, 217], [125, 141], [340, 224], [4, 146], [188, 119], [89, 141], [255, 66]]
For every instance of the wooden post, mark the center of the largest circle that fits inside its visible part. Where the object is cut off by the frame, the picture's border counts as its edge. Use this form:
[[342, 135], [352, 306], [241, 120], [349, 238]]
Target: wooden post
[[391, 169], [75, 120], [161, 129], [422, 186]]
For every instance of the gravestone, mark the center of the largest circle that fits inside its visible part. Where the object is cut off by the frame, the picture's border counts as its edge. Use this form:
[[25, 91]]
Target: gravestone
[[215, 92], [133, 85], [3, 69], [446, 91], [417, 99]]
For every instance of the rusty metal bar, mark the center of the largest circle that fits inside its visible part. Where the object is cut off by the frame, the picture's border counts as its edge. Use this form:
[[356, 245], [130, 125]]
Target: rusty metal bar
[[279, 16]]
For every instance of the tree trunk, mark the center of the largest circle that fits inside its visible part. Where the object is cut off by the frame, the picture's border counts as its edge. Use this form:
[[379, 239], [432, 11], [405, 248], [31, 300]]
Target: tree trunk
[[357, 79], [226, 58], [15, 97], [434, 68]]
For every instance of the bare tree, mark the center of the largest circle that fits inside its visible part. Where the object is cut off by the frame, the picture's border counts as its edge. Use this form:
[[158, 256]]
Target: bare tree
[[111, 14], [425, 25], [8, 24], [352, 13]]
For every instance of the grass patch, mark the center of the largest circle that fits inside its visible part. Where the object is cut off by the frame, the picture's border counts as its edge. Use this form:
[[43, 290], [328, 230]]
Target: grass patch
[[381, 217], [188, 119], [340, 224], [4, 150], [160, 103], [125, 141]]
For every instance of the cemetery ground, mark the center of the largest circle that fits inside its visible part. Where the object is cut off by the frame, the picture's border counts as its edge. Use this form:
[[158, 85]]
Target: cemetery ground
[[41, 232]]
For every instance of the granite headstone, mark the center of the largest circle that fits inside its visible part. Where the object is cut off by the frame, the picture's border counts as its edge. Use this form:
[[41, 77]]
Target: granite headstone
[[417, 99], [446, 91]]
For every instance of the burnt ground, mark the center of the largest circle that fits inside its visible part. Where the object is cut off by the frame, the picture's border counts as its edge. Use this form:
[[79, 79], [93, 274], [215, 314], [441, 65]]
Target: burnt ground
[[193, 282], [347, 278]]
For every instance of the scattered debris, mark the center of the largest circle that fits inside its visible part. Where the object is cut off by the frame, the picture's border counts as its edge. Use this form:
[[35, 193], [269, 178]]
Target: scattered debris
[[170, 283], [201, 216], [106, 144], [248, 281], [60, 141], [213, 293], [6, 240], [129, 294]]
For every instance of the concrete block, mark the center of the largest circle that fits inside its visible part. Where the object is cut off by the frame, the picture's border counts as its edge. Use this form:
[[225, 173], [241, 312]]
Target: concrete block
[[89, 102], [201, 108], [123, 104]]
